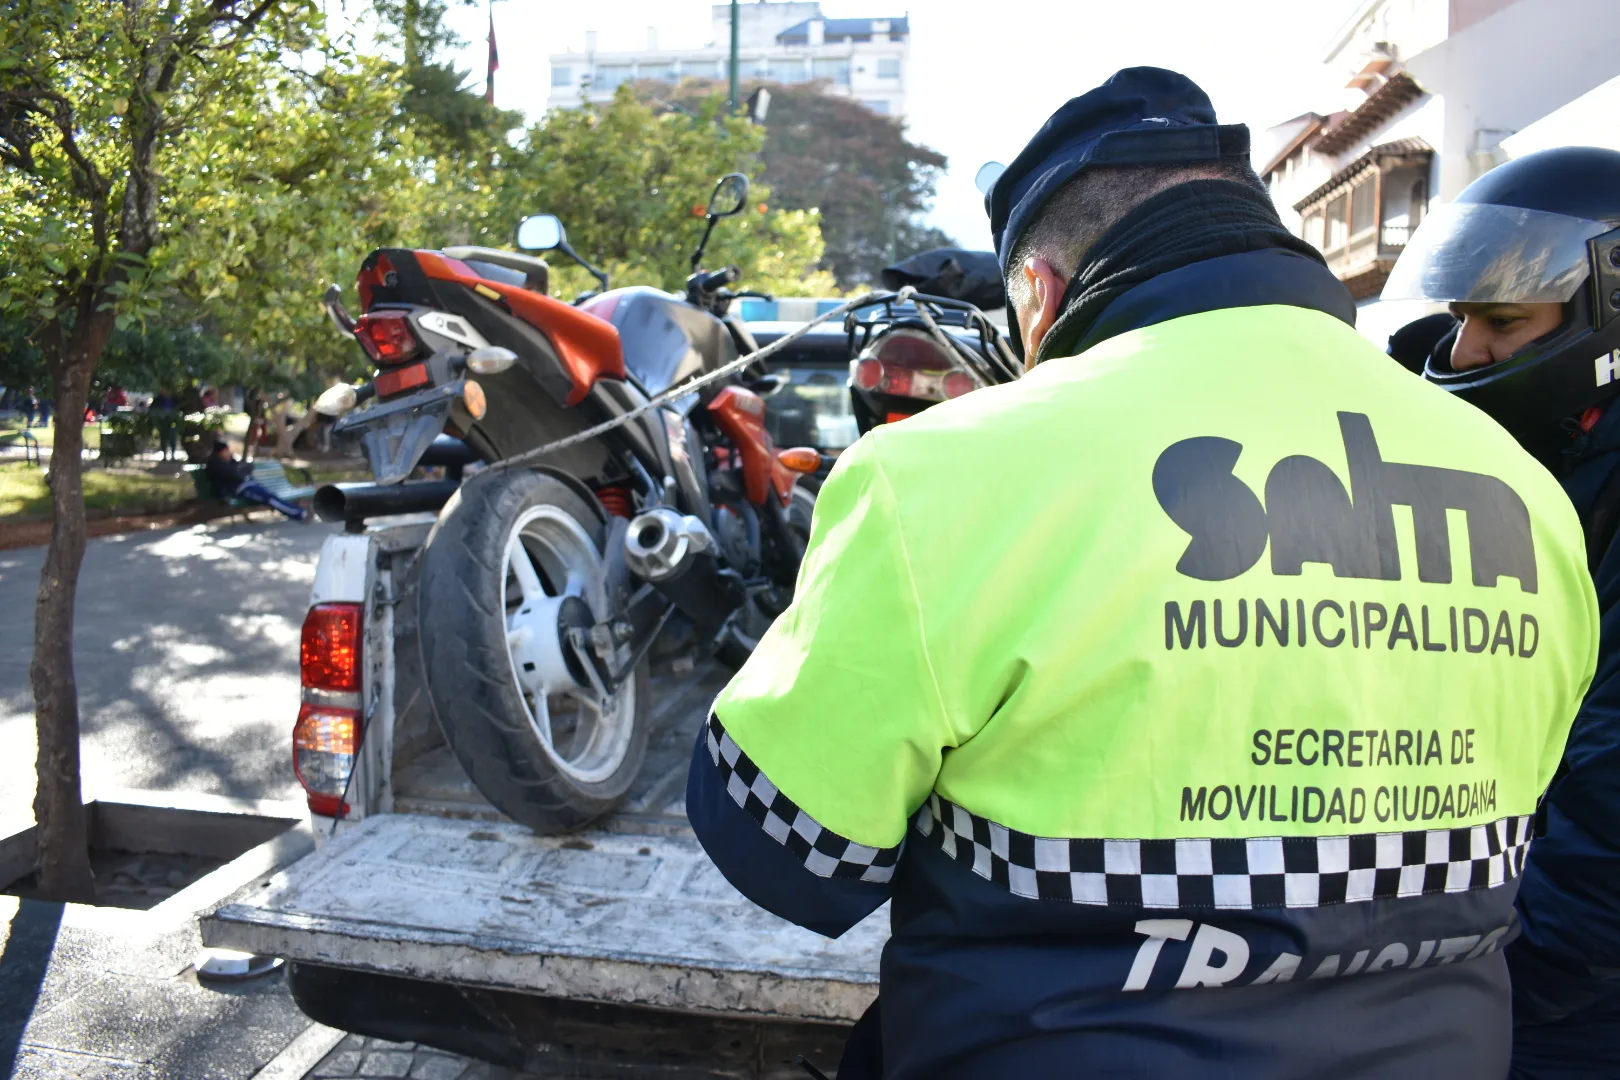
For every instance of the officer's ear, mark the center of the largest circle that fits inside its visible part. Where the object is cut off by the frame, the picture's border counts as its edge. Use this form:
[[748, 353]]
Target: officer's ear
[[1041, 306]]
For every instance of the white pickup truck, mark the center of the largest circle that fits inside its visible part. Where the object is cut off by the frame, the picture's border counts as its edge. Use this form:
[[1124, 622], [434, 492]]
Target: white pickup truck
[[426, 916]]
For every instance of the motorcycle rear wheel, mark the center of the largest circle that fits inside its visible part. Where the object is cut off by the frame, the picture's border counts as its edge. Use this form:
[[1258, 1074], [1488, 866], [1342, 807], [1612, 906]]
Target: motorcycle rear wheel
[[515, 560]]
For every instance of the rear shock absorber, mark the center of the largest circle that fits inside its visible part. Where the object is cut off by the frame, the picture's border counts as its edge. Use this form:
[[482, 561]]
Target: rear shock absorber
[[616, 500]]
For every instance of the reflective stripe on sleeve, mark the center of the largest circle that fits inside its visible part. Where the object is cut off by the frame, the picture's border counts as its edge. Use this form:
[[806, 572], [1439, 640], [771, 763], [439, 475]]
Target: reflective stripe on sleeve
[[822, 851], [1240, 873]]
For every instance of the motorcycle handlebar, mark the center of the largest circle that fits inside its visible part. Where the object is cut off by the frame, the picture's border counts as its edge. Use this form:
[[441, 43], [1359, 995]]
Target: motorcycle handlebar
[[719, 279]]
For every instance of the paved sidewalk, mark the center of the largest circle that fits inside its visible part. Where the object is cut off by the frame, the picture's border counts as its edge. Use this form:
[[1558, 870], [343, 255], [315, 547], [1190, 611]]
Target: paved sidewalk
[[357, 1058], [186, 652]]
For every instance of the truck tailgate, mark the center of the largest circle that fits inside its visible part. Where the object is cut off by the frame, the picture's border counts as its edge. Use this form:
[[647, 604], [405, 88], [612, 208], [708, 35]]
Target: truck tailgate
[[609, 916]]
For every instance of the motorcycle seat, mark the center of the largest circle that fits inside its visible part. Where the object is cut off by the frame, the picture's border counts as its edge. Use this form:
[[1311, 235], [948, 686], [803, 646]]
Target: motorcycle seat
[[536, 271]]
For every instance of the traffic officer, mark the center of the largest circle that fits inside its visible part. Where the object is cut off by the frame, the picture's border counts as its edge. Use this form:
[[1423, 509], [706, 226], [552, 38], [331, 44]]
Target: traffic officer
[[1528, 256], [1189, 730]]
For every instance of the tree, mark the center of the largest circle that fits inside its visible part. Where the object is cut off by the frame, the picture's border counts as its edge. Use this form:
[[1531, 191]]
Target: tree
[[629, 182], [107, 115], [829, 152]]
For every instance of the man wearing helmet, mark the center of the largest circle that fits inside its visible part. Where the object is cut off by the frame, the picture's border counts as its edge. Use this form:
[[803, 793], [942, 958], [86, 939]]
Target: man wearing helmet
[[1528, 260]]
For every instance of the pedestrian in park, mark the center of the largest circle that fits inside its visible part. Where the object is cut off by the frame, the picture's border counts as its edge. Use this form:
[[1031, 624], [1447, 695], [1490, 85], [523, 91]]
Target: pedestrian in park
[[234, 479], [1528, 258], [1173, 756], [168, 424], [30, 405]]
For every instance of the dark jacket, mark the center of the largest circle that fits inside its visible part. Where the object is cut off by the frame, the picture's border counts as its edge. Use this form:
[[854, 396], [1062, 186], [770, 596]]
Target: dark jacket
[[227, 475], [1566, 965], [980, 983]]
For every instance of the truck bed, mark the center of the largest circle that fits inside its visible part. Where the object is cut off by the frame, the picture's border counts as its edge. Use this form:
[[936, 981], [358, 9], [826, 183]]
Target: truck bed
[[629, 912]]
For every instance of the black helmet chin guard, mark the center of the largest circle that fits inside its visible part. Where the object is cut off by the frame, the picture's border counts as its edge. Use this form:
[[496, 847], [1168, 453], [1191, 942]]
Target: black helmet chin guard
[[1534, 392], [1544, 228]]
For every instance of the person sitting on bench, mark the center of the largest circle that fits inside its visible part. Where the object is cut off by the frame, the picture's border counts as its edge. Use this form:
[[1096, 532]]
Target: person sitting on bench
[[234, 479]]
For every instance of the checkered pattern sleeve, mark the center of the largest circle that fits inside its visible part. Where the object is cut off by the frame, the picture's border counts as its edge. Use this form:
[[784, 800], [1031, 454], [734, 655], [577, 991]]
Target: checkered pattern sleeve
[[822, 851]]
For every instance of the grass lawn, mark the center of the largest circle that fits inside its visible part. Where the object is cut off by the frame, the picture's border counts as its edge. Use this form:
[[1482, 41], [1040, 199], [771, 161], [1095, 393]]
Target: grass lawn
[[11, 433], [339, 474], [23, 492]]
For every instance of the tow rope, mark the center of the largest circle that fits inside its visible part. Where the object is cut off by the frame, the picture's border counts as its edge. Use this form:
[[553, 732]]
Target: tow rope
[[674, 392]]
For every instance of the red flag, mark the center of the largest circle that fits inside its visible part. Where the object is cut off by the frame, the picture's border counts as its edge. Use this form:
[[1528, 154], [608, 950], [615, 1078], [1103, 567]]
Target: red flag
[[494, 62]]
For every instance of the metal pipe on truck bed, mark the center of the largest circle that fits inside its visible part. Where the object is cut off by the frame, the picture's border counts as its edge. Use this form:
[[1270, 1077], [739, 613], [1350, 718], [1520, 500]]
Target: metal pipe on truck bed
[[354, 503]]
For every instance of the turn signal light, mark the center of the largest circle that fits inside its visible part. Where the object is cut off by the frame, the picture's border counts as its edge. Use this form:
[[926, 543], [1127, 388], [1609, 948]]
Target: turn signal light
[[801, 459], [472, 396], [387, 336], [336, 400], [329, 652], [490, 360], [326, 740]]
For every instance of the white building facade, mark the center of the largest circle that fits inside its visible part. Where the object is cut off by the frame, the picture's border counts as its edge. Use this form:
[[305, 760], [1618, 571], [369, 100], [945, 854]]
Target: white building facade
[[1436, 93], [782, 42]]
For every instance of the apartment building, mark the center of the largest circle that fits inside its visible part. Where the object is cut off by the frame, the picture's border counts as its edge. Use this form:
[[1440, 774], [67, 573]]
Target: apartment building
[[1435, 94], [782, 42]]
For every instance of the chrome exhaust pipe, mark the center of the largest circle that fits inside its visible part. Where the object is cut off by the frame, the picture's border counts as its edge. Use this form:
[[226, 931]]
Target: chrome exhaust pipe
[[673, 552], [662, 544]]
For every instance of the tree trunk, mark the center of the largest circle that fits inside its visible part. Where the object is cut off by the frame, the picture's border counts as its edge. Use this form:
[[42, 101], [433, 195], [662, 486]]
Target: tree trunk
[[291, 432], [63, 826]]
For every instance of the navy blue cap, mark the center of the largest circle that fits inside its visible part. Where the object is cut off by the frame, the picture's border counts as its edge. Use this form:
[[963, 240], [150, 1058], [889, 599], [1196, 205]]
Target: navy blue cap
[[1140, 116]]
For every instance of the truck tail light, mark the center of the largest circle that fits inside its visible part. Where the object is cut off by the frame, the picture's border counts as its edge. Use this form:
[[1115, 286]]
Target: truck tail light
[[387, 336], [326, 738], [329, 653], [325, 742]]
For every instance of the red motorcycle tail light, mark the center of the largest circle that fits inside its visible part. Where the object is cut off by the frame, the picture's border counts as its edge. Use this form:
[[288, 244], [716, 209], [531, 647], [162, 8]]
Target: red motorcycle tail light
[[908, 363], [387, 336], [869, 374], [958, 383], [329, 652]]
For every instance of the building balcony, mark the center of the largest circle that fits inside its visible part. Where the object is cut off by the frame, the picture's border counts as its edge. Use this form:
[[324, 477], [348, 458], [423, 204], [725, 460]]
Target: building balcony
[[1362, 217]]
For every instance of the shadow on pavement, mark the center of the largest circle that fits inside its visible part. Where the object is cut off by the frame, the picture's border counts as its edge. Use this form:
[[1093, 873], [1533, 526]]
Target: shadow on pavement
[[186, 656], [23, 964]]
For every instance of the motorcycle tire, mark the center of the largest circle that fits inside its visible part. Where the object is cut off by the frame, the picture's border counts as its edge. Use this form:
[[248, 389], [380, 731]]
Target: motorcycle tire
[[734, 650], [514, 557]]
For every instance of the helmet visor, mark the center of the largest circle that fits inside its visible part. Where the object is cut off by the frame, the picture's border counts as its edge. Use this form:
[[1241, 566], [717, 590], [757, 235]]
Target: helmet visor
[[1489, 253]]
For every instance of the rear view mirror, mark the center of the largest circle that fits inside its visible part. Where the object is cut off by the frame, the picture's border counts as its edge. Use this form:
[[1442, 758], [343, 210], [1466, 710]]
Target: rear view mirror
[[542, 232], [729, 195]]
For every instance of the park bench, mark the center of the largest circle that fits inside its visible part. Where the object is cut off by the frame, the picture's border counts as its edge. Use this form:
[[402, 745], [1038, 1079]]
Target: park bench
[[272, 474]]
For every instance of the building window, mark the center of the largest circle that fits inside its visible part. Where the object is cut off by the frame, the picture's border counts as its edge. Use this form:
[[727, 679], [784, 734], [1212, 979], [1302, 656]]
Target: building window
[[701, 69], [562, 75], [609, 76], [1313, 230], [889, 67], [1338, 223], [659, 72], [879, 107], [1419, 203], [787, 71], [835, 70], [1363, 211]]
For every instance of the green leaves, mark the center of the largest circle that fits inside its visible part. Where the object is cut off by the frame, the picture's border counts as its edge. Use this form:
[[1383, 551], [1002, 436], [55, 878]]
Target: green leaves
[[281, 156]]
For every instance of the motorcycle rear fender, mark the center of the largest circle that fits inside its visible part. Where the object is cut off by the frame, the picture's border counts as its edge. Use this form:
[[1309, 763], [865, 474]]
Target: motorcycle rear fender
[[586, 348], [396, 433], [740, 413]]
